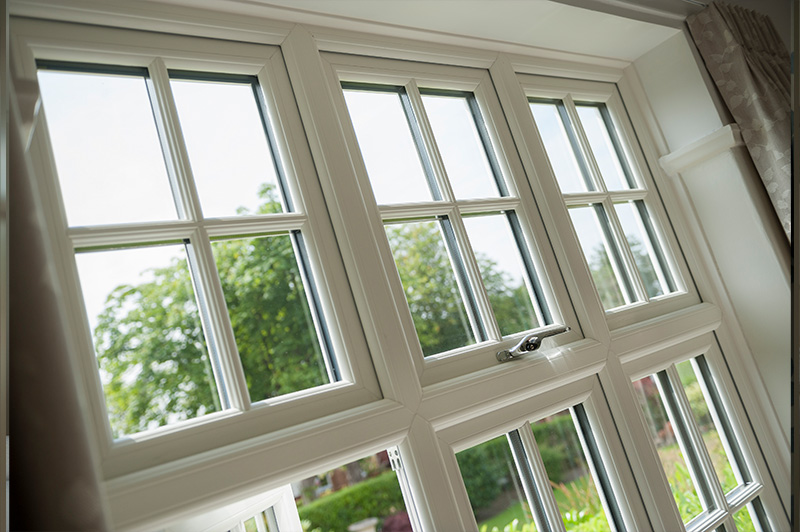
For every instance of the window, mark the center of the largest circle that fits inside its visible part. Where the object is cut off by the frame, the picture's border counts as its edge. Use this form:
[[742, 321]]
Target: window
[[698, 447], [607, 190], [279, 259], [538, 475]]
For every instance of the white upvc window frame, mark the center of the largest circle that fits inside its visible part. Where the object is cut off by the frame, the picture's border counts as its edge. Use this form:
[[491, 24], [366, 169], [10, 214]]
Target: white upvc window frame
[[158, 53], [569, 92], [412, 76]]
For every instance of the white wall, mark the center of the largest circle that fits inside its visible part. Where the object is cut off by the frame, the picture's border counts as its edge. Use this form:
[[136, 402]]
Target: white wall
[[733, 213]]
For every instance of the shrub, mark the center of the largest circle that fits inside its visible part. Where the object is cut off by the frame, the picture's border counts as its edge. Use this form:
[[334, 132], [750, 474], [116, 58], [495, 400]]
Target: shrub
[[375, 497]]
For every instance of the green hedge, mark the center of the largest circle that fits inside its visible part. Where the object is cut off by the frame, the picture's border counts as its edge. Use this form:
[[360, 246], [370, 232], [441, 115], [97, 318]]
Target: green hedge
[[375, 497]]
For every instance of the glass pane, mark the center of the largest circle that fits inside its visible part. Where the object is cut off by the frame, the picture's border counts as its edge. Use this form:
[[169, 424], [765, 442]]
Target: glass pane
[[150, 346], [270, 316], [271, 520], [432, 291], [365, 491], [653, 276], [387, 146], [494, 486], [559, 150], [602, 148], [672, 459], [250, 524], [106, 148], [598, 253], [573, 487], [745, 519], [228, 149], [503, 272], [460, 146], [711, 436]]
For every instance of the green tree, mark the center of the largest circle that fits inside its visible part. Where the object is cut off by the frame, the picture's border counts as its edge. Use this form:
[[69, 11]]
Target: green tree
[[606, 280]]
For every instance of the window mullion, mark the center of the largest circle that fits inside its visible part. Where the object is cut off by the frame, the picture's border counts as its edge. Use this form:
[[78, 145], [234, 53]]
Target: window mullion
[[176, 155], [549, 506], [580, 143], [618, 264], [521, 442]]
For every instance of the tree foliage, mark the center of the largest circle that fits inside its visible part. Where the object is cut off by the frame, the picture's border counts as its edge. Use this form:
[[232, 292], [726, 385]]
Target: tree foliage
[[152, 350]]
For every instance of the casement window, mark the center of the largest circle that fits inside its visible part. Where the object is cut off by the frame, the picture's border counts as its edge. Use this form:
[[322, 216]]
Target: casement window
[[702, 450], [586, 139], [280, 258]]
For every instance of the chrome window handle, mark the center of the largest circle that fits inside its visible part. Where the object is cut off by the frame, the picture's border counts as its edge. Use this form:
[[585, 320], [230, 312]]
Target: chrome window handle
[[530, 342]]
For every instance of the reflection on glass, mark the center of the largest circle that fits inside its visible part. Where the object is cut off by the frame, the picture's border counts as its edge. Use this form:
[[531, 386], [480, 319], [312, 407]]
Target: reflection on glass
[[672, 459], [558, 147], [227, 145], [432, 291], [569, 474], [711, 436], [602, 148], [502, 271], [150, 346], [106, 147], [647, 262], [745, 519], [270, 316], [387, 147], [596, 249], [361, 490], [460, 146], [493, 485]]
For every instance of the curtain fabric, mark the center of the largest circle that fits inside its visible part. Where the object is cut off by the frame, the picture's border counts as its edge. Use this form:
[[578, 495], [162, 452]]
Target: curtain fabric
[[54, 473], [750, 66]]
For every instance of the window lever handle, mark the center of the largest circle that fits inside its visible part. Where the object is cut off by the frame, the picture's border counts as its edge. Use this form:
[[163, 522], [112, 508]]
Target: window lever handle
[[530, 342]]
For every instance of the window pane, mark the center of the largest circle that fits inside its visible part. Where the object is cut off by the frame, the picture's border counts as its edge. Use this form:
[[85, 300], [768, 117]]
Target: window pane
[[270, 316], [503, 272], [746, 518], [711, 436], [364, 490], [106, 147], [559, 150], [644, 253], [672, 459], [460, 146], [228, 149], [150, 346], [432, 291], [598, 252], [602, 148], [250, 525], [494, 486], [573, 487], [387, 146]]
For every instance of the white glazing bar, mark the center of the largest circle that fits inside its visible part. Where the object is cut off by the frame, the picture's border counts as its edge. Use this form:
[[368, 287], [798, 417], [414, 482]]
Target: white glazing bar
[[172, 142], [706, 466], [473, 272], [626, 254], [477, 206], [583, 141], [216, 322], [541, 480], [404, 211], [273, 223], [108, 236]]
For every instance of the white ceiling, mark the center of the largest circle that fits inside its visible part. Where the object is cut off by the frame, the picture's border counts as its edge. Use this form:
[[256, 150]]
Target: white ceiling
[[496, 24]]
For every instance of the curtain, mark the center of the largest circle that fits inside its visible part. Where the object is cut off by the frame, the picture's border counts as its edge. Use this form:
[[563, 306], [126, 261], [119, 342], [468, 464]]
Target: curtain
[[54, 479], [749, 64]]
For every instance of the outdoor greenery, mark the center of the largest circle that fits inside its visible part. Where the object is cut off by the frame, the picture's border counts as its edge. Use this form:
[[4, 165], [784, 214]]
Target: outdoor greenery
[[379, 496]]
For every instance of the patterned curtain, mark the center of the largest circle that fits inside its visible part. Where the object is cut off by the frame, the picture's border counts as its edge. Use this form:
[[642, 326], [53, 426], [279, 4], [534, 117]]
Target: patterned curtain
[[750, 66]]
